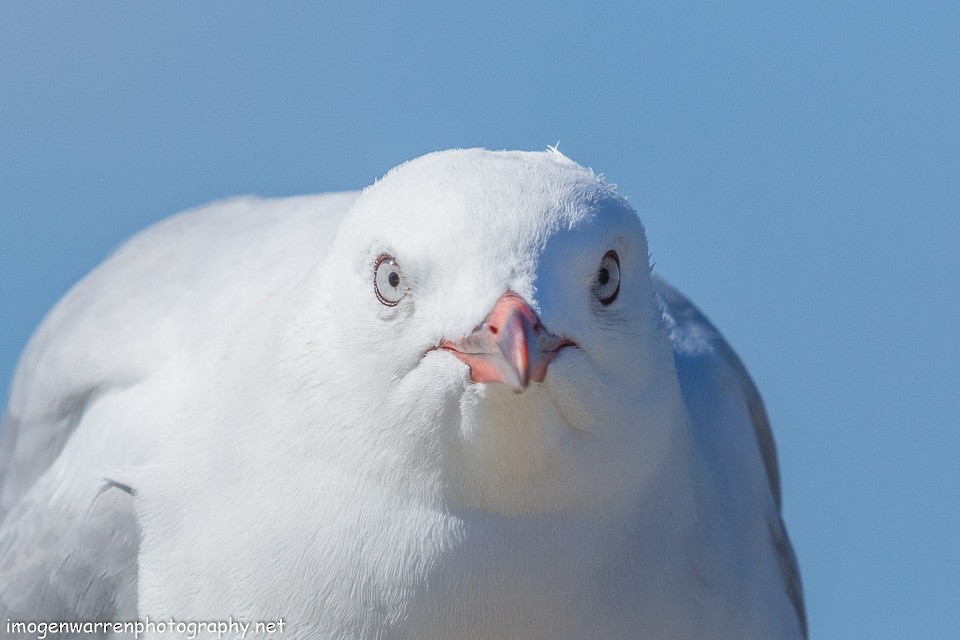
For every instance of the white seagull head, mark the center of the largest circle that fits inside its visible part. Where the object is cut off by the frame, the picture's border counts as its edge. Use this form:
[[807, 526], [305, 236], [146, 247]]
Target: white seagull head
[[486, 322]]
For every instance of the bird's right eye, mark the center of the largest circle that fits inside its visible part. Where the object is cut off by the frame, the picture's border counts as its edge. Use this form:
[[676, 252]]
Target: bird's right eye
[[388, 281]]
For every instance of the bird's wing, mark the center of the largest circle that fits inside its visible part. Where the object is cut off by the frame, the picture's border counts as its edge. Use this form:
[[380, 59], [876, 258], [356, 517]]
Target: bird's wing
[[712, 377], [69, 553], [161, 297], [99, 382], [695, 338]]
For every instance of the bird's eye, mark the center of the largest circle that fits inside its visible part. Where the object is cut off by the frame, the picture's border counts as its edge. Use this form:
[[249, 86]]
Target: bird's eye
[[608, 278], [388, 281]]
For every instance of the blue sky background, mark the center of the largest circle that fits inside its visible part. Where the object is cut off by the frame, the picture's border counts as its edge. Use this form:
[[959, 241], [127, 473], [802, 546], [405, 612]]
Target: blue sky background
[[797, 168]]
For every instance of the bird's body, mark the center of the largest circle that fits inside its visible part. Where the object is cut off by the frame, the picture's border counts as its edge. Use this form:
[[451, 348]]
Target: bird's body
[[292, 409]]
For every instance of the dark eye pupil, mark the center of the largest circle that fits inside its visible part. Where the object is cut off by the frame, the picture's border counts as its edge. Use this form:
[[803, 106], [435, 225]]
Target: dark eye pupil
[[604, 276], [394, 279]]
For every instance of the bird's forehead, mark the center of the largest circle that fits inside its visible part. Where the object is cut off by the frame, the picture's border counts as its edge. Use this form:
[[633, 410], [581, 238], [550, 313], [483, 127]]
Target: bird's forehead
[[476, 200]]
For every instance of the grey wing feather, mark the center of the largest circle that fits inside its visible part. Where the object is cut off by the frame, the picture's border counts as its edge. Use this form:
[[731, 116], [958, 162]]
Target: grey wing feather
[[691, 333], [26, 453], [68, 548], [58, 563], [694, 338]]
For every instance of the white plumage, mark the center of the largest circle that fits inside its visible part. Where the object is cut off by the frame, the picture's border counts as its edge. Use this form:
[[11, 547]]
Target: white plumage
[[224, 419]]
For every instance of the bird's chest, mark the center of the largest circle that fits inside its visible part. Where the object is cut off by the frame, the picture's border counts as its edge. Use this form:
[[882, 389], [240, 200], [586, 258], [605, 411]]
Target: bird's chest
[[494, 581], [487, 577], [358, 568]]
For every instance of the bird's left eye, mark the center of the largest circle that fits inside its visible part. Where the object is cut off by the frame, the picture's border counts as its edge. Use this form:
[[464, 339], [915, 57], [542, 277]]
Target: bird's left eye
[[608, 278], [388, 281]]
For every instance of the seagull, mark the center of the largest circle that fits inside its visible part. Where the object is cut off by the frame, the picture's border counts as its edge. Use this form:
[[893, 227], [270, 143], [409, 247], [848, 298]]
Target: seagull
[[456, 404]]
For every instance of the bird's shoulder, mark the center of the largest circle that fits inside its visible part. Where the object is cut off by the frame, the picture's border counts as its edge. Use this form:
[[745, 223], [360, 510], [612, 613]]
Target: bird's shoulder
[[729, 419], [712, 375], [158, 298]]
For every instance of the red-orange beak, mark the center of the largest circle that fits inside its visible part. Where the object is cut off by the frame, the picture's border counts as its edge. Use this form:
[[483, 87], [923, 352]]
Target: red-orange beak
[[511, 346]]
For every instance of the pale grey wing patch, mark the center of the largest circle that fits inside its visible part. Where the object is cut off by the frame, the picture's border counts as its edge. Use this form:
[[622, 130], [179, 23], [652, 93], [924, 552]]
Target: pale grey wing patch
[[8, 436], [693, 335], [789, 570], [27, 452], [67, 559]]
